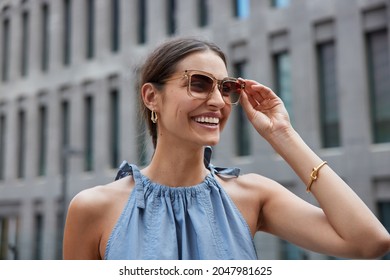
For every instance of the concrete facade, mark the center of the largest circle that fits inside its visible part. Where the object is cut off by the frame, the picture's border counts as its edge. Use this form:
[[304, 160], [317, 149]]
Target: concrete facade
[[32, 204]]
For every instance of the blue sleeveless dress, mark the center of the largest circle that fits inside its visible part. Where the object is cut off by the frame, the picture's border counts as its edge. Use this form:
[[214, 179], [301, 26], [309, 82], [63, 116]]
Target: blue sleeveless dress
[[185, 223]]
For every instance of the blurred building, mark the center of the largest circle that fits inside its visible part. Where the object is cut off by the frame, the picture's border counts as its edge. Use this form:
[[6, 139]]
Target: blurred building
[[68, 110]]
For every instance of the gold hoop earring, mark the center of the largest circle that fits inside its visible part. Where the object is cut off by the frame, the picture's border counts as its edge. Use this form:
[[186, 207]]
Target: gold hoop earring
[[153, 117]]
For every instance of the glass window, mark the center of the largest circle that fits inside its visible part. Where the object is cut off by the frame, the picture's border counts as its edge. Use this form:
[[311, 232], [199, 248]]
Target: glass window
[[291, 251], [280, 3], [45, 38], [38, 242], [114, 127], [24, 44], [328, 101], [8, 238], [6, 49], [88, 133], [3, 133], [243, 127], [142, 21], [65, 131], [203, 16], [21, 144], [379, 83], [65, 124], [59, 233], [384, 216], [282, 80], [67, 35], [171, 17], [115, 25], [3, 239], [42, 140], [90, 28], [241, 8]]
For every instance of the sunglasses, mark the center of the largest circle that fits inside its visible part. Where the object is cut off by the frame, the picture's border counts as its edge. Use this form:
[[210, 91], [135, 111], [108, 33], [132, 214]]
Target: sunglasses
[[201, 84]]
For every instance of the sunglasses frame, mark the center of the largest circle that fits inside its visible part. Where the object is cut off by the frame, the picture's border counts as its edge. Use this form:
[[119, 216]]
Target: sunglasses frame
[[189, 73]]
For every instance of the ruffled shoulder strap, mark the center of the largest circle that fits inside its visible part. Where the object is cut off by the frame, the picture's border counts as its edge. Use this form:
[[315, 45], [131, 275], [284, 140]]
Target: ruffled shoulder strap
[[226, 172], [126, 169]]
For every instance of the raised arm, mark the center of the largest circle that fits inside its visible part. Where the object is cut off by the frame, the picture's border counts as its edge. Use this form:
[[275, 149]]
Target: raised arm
[[344, 226]]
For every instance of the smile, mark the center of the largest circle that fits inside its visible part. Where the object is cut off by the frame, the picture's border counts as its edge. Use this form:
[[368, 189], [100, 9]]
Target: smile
[[207, 120]]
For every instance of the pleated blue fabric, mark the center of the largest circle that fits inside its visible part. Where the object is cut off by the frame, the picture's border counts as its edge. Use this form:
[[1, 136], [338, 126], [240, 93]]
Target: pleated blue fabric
[[180, 223]]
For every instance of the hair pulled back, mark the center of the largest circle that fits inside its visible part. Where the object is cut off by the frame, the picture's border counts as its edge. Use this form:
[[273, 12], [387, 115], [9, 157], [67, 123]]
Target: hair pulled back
[[161, 64]]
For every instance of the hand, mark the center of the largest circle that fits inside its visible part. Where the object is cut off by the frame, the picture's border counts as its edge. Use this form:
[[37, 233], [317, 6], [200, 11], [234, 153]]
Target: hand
[[264, 109]]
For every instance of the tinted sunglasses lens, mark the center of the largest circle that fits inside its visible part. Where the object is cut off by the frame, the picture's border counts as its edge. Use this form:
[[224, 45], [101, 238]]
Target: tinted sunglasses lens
[[200, 85], [231, 91]]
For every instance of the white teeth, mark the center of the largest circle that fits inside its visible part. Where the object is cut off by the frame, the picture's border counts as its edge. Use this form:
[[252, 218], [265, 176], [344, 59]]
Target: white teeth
[[207, 120]]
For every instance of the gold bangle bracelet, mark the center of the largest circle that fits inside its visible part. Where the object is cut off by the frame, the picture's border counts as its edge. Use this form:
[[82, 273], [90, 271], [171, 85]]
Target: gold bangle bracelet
[[314, 175]]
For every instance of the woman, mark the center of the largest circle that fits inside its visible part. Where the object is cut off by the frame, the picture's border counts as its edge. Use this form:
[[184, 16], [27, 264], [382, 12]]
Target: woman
[[182, 207]]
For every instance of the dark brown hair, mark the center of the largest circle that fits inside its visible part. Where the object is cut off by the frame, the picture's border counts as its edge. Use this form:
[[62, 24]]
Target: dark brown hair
[[161, 64]]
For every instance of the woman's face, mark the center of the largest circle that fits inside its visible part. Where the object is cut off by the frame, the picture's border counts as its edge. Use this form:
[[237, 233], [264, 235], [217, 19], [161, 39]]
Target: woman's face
[[184, 119]]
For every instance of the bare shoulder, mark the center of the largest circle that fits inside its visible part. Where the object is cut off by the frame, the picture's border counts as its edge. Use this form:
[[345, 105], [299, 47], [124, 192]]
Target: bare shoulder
[[96, 199], [266, 190], [254, 180], [249, 187], [250, 192], [92, 214], [257, 184]]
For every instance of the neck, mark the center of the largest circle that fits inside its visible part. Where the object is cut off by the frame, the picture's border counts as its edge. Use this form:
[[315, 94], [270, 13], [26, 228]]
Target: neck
[[177, 166]]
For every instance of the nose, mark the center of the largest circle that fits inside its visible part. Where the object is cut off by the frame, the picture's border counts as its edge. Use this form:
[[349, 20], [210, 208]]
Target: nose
[[215, 98]]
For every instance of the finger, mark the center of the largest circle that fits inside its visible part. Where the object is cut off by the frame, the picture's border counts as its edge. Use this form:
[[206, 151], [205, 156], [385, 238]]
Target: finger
[[265, 92], [256, 87], [247, 102], [253, 101], [255, 90], [259, 97], [259, 94], [249, 105]]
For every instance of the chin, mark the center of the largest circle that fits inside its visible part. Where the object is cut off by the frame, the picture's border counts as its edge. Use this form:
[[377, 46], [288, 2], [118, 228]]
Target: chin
[[207, 139], [211, 142]]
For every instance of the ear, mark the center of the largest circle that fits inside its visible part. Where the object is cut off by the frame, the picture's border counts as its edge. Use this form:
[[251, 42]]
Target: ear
[[150, 96]]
